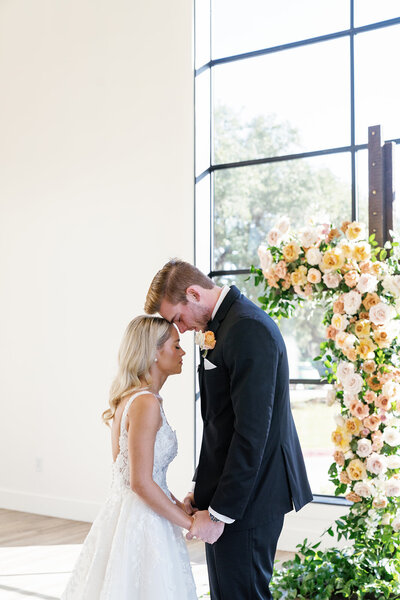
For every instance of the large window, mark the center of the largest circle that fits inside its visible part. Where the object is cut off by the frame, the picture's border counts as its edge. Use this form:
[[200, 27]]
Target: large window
[[285, 92]]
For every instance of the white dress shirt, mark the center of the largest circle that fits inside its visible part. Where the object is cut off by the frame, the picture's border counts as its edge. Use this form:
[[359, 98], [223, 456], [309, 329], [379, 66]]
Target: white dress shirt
[[222, 295]]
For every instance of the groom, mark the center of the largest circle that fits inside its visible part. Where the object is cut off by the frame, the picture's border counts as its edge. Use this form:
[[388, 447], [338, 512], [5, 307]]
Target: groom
[[251, 469]]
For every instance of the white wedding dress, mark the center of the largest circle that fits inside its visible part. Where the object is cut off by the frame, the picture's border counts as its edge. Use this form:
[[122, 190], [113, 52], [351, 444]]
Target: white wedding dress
[[132, 553]]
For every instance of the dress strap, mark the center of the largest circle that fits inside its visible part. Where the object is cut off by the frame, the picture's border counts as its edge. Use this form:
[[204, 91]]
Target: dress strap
[[122, 427]]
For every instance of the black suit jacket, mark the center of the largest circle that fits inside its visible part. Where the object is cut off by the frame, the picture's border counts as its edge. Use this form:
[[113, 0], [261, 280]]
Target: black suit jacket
[[251, 466]]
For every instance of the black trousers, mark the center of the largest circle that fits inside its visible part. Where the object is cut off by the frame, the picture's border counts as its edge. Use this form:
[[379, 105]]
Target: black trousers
[[240, 563]]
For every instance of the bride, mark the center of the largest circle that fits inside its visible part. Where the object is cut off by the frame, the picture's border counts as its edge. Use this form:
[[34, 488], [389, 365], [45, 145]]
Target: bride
[[135, 549]]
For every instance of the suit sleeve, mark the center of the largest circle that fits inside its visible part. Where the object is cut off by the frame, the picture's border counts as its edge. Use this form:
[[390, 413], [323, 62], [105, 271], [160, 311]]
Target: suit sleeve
[[251, 355]]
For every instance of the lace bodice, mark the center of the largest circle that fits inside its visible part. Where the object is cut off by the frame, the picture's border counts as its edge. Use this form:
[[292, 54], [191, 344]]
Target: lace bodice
[[165, 450]]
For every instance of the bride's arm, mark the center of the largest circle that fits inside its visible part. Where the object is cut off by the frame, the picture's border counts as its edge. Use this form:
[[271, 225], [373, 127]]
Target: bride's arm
[[144, 420]]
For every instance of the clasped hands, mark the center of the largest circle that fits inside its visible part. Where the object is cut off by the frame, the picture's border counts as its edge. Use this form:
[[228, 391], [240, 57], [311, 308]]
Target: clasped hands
[[202, 526]]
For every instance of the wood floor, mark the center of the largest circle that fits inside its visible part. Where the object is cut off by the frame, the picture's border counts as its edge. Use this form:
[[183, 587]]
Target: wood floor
[[37, 554]]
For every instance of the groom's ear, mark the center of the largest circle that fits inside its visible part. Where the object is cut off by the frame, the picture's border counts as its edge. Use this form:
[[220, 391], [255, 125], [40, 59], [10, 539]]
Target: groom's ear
[[193, 293]]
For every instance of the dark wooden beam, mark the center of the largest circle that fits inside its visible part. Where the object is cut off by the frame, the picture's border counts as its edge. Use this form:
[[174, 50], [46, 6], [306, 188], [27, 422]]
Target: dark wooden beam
[[375, 185]]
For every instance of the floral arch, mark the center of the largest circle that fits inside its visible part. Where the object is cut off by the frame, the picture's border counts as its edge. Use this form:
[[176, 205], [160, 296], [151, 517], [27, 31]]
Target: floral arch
[[358, 284]]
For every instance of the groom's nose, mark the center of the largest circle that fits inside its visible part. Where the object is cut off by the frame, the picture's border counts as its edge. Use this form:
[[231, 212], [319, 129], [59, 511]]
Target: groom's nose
[[182, 327]]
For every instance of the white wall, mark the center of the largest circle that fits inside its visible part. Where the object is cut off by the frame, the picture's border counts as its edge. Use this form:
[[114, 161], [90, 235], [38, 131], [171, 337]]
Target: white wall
[[96, 193]]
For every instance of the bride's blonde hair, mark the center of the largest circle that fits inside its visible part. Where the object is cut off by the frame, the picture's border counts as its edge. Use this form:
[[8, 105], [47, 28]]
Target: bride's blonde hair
[[143, 336]]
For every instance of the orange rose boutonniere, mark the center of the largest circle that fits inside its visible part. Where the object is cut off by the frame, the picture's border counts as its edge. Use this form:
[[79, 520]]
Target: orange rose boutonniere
[[206, 341]]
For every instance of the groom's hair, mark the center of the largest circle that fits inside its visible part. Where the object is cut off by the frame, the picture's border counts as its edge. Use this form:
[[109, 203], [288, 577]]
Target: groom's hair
[[171, 283]]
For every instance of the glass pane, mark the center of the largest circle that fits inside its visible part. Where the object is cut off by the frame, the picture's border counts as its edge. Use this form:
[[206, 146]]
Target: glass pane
[[202, 32], [249, 200], [203, 119], [244, 26], [203, 224], [286, 102], [362, 185], [314, 423], [377, 82], [371, 11]]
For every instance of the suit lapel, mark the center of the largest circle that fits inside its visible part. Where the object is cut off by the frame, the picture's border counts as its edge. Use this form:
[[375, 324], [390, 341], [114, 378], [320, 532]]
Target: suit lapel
[[223, 310]]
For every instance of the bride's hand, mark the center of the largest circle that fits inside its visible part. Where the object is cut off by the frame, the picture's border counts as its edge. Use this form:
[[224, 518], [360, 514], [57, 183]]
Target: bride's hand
[[189, 505]]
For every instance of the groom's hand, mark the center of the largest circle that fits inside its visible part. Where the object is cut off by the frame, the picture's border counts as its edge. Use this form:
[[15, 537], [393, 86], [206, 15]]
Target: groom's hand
[[205, 529], [189, 504]]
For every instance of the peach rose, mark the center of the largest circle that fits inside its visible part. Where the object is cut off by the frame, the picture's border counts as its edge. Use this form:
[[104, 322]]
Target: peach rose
[[365, 347], [291, 252], [265, 257], [338, 306], [299, 276], [350, 353], [352, 497], [376, 463], [281, 269], [338, 457], [382, 338], [362, 328], [344, 478], [359, 409], [330, 332], [334, 233], [274, 237], [341, 439], [353, 426], [351, 278], [344, 226], [369, 397], [369, 366], [356, 469], [332, 260], [332, 279], [314, 276], [374, 383], [372, 422], [362, 251], [354, 231], [286, 282], [370, 300], [209, 340]]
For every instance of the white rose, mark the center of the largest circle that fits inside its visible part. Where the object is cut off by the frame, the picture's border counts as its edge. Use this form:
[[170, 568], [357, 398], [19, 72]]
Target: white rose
[[313, 256], [391, 436], [332, 279], [391, 285], [199, 338], [344, 370], [308, 238], [392, 487], [396, 524], [363, 489], [381, 313], [331, 397], [393, 461], [348, 455], [367, 283], [283, 225], [339, 420], [353, 384], [376, 463], [265, 257], [364, 448], [391, 389], [386, 519], [273, 237], [339, 322], [352, 302]]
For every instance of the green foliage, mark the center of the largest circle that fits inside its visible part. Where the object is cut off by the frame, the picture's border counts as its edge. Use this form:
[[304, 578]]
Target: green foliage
[[362, 572]]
